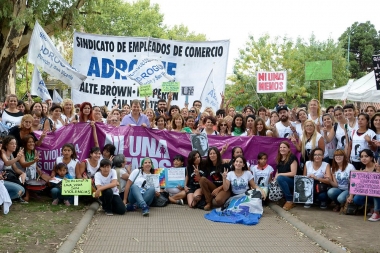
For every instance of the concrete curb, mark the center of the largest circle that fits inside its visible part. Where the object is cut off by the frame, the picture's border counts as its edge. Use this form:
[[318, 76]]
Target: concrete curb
[[308, 231], [71, 241]]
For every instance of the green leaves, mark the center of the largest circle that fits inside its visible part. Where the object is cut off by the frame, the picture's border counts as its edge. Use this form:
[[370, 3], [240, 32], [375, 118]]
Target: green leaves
[[275, 54]]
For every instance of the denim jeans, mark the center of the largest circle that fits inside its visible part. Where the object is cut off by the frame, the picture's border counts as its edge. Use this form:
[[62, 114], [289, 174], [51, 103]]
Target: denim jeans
[[56, 193], [337, 195], [14, 189], [360, 200], [322, 197], [135, 196], [287, 186], [111, 202]]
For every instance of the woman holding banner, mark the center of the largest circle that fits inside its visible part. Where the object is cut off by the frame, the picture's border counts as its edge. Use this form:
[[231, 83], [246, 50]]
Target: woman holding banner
[[68, 113], [368, 160], [238, 125], [85, 112]]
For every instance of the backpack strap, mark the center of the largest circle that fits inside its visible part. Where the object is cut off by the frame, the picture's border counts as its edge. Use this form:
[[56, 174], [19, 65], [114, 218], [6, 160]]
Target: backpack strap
[[335, 127]]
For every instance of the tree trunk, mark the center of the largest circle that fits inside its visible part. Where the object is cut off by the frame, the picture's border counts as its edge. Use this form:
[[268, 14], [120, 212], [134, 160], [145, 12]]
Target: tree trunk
[[17, 40]]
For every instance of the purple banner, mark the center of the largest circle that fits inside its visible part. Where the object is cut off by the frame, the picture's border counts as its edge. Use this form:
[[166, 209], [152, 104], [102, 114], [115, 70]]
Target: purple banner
[[138, 142]]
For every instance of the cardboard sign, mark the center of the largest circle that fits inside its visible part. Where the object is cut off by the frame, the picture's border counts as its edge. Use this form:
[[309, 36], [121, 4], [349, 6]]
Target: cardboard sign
[[365, 183], [170, 87], [76, 187], [145, 90], [268, 82]]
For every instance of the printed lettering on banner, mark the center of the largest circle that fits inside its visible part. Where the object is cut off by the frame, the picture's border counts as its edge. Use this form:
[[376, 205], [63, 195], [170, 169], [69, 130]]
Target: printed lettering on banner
[[117, 66], [136, 143]]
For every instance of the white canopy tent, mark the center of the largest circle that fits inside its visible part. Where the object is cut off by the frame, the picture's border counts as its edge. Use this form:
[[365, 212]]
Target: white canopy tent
[[338, 93], [361, 90]]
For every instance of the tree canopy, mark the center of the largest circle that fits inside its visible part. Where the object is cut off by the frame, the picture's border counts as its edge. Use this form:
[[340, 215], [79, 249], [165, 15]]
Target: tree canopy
[[275, 54], [364, 42], [61, 17]]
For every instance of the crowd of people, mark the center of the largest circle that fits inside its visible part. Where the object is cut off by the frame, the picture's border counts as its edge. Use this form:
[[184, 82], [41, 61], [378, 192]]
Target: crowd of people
[[332, 142]]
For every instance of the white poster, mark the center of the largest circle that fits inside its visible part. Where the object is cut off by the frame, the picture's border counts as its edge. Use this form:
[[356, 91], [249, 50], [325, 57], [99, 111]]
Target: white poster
[[153, 180], [268, 82], [108, 60], [44, 54]]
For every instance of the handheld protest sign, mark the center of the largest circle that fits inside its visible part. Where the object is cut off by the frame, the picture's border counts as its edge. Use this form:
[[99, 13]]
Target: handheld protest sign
[[76, 187], [170, 87], [145, 90], [366, 184], [303, 189]]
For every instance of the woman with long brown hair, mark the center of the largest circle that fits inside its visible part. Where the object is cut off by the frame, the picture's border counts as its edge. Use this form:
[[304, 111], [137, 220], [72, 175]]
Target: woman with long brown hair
[[340, 179], [85, 112], [287, 165]]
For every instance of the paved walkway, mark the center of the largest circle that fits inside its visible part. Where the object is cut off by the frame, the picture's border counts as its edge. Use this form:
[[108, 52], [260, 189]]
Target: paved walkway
[[180, 229]]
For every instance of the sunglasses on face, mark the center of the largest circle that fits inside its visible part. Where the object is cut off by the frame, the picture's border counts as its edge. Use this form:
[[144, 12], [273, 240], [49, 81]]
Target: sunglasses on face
[[223, 124], [192, 111]]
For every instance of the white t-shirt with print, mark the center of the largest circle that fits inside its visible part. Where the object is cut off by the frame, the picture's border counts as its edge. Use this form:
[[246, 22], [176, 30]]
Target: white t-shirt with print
[[262, 176], [343, 177], [239, 184], [70, 166], [359, 143], [319, 173], [101, 180], [141, 177]]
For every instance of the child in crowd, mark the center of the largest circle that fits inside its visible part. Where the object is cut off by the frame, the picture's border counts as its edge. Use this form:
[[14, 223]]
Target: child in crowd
[[262, 172], [177, 194], [106, 189], [69, 157], [122, 172], [61, 173]]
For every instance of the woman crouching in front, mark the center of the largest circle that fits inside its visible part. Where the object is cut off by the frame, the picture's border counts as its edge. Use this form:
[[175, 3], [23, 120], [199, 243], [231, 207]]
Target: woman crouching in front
[[135, 190], [106, 189], [241, 178]]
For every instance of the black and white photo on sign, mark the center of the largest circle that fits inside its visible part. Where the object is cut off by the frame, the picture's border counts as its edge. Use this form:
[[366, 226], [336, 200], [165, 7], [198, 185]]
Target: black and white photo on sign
[[153, 180], [303, 189], [199, 142]]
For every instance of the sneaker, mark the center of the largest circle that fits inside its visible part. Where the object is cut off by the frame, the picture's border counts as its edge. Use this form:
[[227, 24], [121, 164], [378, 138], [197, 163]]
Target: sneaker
[[145, 210], [66, 202], [374, 217], [55, 202], [288, 205], [323, 205], [108, 213], [22, 201], [130, 208], [180, 202], [307, 206], [370, 212]]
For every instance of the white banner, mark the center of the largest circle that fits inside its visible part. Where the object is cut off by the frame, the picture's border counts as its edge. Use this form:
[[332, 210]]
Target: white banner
[[209, 96], [56, 97], [38, 87], [108, 60], [268, 82], [43, 53]]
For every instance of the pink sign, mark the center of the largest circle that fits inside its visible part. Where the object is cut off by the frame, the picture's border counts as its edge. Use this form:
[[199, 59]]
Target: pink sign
[[138, 142], [365, 183]]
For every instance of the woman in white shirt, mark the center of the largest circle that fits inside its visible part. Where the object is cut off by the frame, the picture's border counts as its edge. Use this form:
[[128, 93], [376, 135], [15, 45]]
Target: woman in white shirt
[[340, 179], [54, 122], [362, 138], [240, 178], [319, 171], [106, 189], [137, 192]]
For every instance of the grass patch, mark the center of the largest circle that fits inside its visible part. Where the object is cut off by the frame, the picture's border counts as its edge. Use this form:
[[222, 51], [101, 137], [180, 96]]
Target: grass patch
[[37, 226]]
